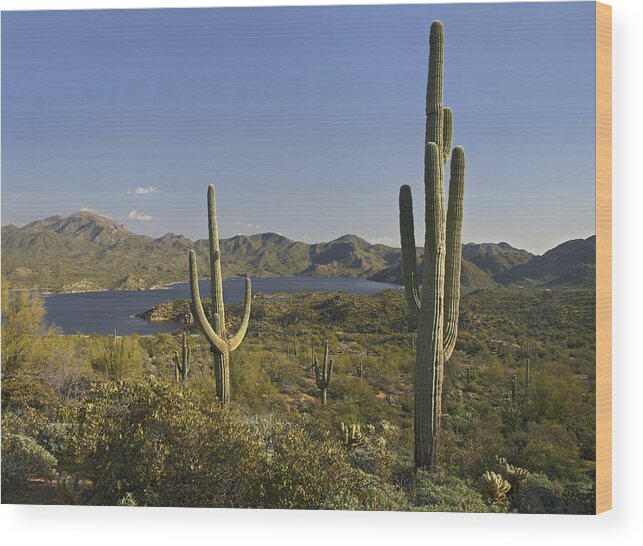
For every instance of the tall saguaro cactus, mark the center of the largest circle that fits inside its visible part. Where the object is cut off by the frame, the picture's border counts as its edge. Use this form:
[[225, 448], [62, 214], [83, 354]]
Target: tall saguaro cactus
[[437, 304], [221, 344], [323, 373]]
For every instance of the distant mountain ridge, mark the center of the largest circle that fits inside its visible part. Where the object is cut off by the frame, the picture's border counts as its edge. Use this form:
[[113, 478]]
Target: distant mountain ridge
[[85, 251]]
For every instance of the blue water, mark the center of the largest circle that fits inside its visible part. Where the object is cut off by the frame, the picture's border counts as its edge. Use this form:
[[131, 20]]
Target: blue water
[[104, 312]]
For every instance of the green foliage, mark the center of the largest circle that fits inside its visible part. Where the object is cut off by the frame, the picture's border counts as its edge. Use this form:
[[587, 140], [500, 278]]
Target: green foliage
[[119, 358], [23, 458], [22, 329], [305, 473], [550, 449], [165, 446], [540, 495], [439, 492]]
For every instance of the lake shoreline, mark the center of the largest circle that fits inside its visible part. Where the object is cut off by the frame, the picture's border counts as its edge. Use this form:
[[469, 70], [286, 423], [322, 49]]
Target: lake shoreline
[[103, 311], [169, 285]]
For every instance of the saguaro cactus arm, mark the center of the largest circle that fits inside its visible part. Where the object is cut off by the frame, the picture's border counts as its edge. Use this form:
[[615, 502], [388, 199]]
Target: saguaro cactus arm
[[453, 262], [409, 251], [216, 278], [213, 338], [236, 340], [447, 133]]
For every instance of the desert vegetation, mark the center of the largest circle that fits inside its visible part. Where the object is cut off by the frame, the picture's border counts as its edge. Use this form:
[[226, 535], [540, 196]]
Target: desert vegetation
[[73, 432]]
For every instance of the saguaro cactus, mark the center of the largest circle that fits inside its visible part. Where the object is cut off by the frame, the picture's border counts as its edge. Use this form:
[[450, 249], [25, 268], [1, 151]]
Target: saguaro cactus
[[323, 373], [221, 344], [182, 365], [437, 305], [527, 379], [513, 390]]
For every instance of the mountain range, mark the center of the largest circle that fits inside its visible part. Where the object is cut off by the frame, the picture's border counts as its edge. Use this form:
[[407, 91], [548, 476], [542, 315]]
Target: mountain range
[[85, 251]]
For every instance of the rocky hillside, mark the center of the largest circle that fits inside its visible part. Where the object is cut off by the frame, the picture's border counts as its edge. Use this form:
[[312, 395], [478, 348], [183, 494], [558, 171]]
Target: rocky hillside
[[570, 264], [85, 251]]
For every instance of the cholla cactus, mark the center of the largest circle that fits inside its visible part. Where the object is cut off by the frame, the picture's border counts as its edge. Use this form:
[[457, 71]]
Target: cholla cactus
[[495, 487], [323, 373], [70, 488], [515, 475], [352, 437], [182, 365], [221, 344], [437, 304]]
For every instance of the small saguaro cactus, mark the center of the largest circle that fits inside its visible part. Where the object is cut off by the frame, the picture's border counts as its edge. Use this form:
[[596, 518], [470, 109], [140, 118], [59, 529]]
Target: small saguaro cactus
[[323, 373], [437, 305], [352, 437], [527, 378], [468, 376], [221, 344], [182, 364], [495, 487], [359, 370], [513, 389]]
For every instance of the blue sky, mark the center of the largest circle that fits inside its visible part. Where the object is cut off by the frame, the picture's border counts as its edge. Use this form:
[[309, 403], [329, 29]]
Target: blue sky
[[307, 119]]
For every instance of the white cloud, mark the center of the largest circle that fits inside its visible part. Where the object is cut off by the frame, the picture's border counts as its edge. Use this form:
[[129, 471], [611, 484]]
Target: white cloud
[[389, 241], [136, 215], [141, 190], [252, 226]]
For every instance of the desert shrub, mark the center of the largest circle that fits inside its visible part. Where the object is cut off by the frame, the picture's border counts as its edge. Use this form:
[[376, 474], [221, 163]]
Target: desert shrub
[[550, 449], [471, 442], [21, 390], [540, 495], [580, 497], [23, 326], [23, 458], [307, 474], [442, 493], [250, 383], [166, 446], [119, 358], [556, 394]]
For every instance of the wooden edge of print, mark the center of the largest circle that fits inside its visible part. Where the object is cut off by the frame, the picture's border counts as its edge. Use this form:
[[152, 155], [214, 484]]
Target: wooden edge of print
[[603, 257]]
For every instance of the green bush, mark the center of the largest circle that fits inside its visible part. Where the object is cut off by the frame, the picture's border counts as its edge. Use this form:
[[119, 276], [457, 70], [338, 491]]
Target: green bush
[[550, 449], [540, 495], [443, 493], [23, 458], [306, 474], [166, 446]]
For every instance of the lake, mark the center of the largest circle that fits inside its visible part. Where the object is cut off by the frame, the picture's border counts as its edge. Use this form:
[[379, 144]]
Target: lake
[[104, 312]]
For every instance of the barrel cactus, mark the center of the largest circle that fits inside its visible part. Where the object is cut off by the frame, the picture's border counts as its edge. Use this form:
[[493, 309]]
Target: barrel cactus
[[221, 343], [437, 304]]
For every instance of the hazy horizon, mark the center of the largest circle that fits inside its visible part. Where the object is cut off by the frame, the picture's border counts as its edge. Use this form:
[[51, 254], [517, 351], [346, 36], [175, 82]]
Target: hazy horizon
[[307, 119]]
